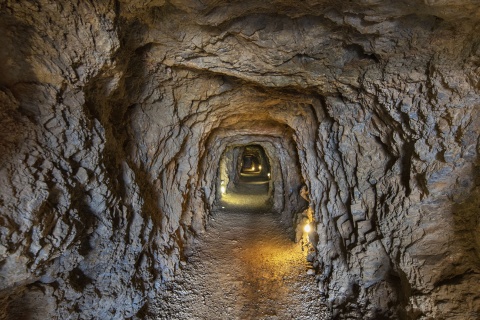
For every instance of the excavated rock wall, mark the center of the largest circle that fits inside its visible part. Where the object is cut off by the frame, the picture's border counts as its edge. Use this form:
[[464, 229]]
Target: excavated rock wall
[[286, 179], [115, 115]]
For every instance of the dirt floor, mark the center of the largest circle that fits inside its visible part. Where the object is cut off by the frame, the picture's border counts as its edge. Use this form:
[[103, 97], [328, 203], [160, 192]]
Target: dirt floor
[[244, 267]]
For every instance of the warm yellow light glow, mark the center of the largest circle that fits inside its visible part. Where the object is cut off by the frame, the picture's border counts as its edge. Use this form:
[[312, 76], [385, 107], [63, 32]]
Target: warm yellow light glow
[[268, 174], [307, 228], [223, 189], [260, 167]]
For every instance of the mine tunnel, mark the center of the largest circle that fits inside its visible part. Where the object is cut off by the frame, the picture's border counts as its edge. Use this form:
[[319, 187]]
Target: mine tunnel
[[239, 159], [245, 179]]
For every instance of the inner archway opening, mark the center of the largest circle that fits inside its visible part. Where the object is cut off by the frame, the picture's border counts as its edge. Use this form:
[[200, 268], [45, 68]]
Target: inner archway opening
[[254, 169], [245, 175]]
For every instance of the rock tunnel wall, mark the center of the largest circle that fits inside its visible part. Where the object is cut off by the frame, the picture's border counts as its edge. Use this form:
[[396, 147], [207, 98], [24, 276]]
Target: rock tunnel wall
[[114, 116], [286, 180]]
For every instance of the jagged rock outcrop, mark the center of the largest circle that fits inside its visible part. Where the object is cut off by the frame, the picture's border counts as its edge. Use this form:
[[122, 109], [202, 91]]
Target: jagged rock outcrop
[[115, 116]]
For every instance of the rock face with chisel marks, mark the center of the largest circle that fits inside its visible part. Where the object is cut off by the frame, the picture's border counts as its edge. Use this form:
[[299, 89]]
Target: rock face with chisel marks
[[115, 115]]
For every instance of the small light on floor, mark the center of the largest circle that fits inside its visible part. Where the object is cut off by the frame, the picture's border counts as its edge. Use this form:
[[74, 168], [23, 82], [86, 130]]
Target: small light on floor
[[223, 189], [268, 174], [260, 167], [307, 228]]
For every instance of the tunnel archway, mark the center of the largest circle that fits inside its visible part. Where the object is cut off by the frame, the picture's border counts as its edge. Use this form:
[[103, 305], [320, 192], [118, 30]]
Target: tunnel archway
[[254, 161], [115, 116], [244, 178], [280, 146]]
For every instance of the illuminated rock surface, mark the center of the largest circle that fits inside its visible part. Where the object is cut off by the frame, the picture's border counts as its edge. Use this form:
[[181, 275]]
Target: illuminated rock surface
[[115, 117]]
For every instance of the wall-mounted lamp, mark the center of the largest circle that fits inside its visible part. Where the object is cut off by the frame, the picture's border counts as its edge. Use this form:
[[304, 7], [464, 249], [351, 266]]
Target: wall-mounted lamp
[[307, 228]]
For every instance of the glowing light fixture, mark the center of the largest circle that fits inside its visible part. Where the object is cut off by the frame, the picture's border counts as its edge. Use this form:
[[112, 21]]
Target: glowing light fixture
[[307, 228], [260, 167], [223, 189], [268, 174]]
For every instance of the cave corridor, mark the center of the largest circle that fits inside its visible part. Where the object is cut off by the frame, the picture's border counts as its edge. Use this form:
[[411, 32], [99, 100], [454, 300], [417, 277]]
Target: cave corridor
[[217, 159]]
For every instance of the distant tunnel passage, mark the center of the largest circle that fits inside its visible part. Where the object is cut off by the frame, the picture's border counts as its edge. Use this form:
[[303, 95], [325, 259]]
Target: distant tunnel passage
[[245, 179]]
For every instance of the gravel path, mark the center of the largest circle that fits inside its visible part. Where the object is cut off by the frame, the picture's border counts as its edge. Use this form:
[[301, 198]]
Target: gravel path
[[244, 267]]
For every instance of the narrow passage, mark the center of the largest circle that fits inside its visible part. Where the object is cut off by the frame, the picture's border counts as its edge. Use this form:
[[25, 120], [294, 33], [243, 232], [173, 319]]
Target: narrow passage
[[244, 267]]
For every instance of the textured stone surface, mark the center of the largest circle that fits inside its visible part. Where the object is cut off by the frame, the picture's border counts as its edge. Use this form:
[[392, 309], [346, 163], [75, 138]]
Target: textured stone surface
[[114, 116]]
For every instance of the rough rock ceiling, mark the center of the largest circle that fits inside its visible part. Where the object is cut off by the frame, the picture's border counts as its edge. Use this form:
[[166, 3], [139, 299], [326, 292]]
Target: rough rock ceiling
[[114, 116]]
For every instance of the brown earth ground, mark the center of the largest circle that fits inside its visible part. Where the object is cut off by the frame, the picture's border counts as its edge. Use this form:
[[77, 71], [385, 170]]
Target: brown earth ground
[[244, 267]]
